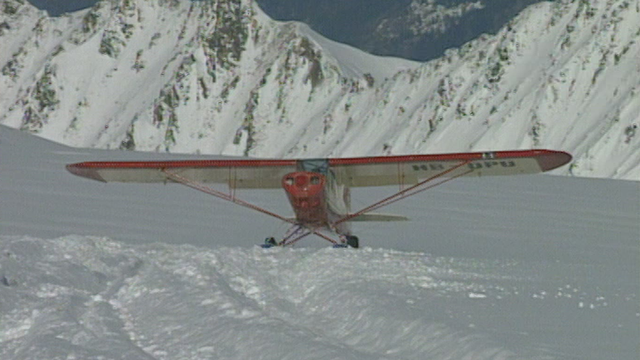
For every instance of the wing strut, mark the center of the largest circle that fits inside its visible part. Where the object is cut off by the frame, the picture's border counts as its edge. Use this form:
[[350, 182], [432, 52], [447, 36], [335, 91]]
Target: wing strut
[[219, 194], [415, 189], [232, 198]]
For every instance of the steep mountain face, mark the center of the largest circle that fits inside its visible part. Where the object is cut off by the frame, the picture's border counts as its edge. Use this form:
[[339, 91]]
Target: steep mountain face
[[167, 76], [220, 77]]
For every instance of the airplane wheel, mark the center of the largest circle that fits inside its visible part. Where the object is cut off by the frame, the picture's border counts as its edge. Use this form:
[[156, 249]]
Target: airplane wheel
[[353, 241], [269, 242]]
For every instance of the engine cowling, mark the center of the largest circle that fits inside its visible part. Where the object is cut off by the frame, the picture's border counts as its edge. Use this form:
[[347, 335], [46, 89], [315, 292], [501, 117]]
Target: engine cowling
[[306, 193]]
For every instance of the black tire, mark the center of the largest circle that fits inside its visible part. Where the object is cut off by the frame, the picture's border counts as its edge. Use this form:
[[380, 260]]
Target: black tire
[[353, 241]]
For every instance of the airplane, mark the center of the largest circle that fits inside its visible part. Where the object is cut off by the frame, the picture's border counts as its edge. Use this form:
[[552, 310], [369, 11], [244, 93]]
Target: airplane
[[318, 190]]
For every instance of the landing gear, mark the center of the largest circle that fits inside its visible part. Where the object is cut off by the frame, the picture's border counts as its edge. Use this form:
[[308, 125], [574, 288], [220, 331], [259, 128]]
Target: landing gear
[[347, 241], [298, 232], [352, 241], [269, 243]]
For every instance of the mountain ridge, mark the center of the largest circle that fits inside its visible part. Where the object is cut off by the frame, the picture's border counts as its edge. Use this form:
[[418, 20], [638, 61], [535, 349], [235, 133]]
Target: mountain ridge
[[414, 29], [223, 78]]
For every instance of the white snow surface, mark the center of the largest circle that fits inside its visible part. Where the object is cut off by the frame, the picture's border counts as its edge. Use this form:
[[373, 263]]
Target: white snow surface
[[529, 267], [220, 77]]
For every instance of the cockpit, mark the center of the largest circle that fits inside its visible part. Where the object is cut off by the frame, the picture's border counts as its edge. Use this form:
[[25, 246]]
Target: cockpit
[[314, 165]]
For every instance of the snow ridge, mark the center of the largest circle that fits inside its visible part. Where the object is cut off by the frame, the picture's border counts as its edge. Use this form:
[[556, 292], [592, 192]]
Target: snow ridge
[[220, 77]]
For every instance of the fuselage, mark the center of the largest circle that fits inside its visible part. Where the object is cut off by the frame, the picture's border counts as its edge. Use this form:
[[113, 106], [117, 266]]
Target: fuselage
[[317, 199]]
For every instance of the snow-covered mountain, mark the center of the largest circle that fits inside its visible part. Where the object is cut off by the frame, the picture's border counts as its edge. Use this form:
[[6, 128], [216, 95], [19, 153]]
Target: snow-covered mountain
[[220, 77], [413, 29]]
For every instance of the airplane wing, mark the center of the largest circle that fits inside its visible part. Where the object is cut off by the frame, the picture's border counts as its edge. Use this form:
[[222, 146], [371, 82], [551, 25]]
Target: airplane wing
[[361, 171], [245, 173], [409, 169]]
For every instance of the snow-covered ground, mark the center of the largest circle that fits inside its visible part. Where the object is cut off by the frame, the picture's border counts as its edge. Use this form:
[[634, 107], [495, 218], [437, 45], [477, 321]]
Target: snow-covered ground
[[530, 267]]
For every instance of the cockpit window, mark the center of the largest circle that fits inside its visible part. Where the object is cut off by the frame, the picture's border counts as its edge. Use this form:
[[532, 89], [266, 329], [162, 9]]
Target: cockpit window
[[315, 180], [314, 165]]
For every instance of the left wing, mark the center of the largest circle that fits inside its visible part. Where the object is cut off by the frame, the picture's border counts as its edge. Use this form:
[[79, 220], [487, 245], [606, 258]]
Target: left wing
[[361, 171], [410, 169]]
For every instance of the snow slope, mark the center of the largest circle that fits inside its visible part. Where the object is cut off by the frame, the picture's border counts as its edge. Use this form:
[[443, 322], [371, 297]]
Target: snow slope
[[531, 267], [220, 77]]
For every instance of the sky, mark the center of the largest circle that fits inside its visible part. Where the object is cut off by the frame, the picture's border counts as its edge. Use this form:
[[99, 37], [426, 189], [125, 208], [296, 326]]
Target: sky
[[57, 7]]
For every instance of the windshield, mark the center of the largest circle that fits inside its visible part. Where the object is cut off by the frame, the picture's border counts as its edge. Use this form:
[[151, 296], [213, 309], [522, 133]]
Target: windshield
[[314, 165]]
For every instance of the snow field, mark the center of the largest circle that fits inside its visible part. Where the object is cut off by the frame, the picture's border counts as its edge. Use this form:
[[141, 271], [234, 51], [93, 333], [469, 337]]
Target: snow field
[[77, 297], [527, 267]]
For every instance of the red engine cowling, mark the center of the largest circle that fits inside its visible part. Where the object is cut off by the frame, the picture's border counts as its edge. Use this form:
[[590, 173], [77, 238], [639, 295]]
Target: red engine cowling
[[305, 191]]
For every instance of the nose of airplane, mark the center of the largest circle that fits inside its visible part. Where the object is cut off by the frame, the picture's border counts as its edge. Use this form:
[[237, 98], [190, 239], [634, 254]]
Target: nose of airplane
[[301, 180]]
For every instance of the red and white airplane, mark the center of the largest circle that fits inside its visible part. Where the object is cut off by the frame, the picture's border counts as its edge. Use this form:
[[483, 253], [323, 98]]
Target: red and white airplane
[[318, 189]]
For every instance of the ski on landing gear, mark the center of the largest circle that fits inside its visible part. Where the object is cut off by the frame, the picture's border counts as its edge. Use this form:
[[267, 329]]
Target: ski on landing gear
[[346, 241]]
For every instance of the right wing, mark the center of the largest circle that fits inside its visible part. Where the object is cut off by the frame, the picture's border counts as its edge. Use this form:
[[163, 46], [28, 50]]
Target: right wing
[[244, 173]]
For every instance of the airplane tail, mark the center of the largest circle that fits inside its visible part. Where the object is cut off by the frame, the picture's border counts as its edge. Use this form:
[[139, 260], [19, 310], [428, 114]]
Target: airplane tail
[[379, 217]]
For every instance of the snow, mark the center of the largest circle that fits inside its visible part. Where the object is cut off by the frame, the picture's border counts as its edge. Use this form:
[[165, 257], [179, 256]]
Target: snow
[[95, 296], [530, 267], [356, 63]]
